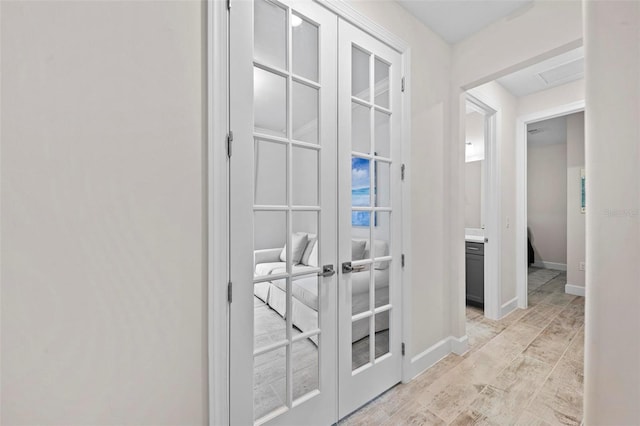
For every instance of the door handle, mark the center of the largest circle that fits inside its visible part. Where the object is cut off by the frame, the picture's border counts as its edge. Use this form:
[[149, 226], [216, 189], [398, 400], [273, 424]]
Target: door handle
[[327, 271], [346, 267]]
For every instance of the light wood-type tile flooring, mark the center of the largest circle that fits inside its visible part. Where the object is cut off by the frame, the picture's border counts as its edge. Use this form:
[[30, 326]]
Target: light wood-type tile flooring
[[525, 369]]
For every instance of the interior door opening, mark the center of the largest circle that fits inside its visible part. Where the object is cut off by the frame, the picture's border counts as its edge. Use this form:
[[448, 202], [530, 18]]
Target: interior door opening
[[481, 215]]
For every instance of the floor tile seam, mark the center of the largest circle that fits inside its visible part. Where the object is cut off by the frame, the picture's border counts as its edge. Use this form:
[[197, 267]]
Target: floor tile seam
[[465, 407], [544, 382], [485, 386]]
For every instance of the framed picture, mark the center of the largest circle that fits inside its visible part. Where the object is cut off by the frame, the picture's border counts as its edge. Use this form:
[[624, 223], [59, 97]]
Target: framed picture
[[361, 190], [582, 192]]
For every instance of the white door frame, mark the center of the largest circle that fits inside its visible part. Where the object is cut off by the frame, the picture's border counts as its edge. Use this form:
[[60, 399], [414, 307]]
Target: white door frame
[[491, 210], [522, 262], [217, 192], [345, 11], [216, 201]]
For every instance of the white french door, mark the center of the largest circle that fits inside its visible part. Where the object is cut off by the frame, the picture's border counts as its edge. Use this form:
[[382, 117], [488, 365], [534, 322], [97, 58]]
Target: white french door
[[308, 345], [369, 304], [283, 213]]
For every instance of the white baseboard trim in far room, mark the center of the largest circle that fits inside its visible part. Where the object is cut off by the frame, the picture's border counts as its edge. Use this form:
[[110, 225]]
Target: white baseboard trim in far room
[[428, 358], [550, 265], [574, 289], [509, 307]]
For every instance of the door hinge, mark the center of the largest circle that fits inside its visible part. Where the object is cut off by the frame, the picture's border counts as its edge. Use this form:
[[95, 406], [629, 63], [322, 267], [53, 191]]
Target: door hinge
[[402, 84], [230, 292], [402, 172], [402, 348], [402, 260], [229, 142]]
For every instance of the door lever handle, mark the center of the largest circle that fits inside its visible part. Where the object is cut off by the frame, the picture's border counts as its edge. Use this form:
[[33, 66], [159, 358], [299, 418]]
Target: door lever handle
[[346, 267], [327, 271]]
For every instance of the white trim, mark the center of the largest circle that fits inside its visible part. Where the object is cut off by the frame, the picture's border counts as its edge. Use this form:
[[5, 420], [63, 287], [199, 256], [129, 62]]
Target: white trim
[[217, 257], [550, 265], [576, 290], [431, 356], [522, 261], [216, 204], [345, 11], [459, 345], [509, 307], [406, 214], [491, 208]]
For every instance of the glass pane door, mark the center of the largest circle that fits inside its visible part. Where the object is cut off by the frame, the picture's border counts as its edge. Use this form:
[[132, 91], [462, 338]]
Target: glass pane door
[[369, 320], [284, 157]]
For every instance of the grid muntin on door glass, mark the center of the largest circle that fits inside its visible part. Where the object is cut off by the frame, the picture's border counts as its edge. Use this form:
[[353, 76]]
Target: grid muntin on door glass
[[286, 146], [371, 206]]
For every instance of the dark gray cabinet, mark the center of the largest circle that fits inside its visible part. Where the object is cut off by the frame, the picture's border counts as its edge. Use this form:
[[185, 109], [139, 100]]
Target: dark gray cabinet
[[475, 274]]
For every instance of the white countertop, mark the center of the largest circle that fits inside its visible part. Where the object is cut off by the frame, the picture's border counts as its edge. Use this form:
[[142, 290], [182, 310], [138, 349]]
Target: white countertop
[[474, 235], [474, 239]]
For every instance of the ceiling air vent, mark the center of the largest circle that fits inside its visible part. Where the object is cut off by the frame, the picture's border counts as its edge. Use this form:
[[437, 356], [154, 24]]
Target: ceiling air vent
[[564, 73]]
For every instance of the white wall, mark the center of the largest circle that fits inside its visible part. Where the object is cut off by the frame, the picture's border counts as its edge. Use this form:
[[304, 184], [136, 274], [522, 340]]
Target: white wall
[[612, 344], [538, 32], [473, 194], [474, 169], [547, 201], [103, 281], [429, 91], [560, 95], [576, 223]]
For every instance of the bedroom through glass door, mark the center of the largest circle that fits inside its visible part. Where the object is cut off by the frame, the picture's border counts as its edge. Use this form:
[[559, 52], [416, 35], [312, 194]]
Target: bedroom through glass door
[[283, 207], [369, 295], [314, 171]]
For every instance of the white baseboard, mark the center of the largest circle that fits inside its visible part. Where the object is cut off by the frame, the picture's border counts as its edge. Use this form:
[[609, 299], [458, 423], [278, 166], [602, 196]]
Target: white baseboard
[[509, 307], [551, 265], [574, 289], [426, 359], [459, 345]]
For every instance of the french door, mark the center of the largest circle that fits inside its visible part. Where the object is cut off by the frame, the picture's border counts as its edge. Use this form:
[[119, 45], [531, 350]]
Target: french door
[[309, 341], [369, 210], [283, 213]]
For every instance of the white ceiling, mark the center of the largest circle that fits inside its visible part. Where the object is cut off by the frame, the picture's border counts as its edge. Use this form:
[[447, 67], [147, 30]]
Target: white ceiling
[[544, 75], [548, 132], [455, 20]]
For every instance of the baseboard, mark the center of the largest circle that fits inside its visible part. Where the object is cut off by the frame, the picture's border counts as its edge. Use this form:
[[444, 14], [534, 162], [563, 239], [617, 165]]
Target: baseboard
[[459, 345], [551, 265], [574, 289], [426, 359], [509, 307]]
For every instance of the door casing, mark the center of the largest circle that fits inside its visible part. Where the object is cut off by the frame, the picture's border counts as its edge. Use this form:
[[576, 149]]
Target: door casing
[[217, 190]]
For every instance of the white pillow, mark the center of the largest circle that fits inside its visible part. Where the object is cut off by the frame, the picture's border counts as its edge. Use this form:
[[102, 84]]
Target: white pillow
[[357, 249], [307, 251], [380, 249], [313, 257], [298, 244]]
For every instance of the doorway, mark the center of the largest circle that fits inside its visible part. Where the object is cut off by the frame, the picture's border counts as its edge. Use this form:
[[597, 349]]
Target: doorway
[[574, 180], [315, 207], [482, 286]]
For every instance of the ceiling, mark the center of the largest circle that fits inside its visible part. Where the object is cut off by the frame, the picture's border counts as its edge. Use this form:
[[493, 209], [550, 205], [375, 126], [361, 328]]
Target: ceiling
[[455, 20], [548, 132], [544, 75]]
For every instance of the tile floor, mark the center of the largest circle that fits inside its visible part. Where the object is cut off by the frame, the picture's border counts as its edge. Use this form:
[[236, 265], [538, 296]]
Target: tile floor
[[526, 369]]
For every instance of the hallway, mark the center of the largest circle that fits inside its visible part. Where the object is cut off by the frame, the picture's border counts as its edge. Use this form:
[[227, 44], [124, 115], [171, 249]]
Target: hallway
[[525, 369]]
